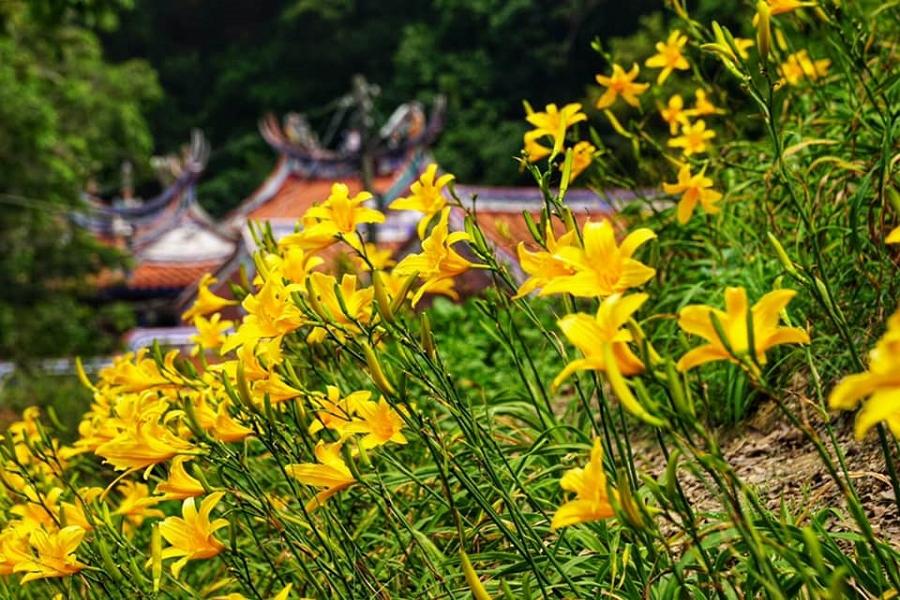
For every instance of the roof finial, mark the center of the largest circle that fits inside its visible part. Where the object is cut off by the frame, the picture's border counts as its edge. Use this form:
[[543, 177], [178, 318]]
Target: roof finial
[[127, 191]]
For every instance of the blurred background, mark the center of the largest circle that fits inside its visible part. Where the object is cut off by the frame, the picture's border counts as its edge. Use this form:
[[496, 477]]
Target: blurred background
[[91, 90]]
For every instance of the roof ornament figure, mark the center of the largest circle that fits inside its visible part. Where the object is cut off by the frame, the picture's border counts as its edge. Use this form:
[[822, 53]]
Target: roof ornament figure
[[298, 131], [352, 136]]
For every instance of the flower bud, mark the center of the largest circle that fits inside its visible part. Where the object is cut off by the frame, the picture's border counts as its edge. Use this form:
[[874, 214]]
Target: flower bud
[[156, 556], [782, 255], [377, 373], [109, 565], [314, 303], [475, 585], [763, 29], [427, 337], [404, 292], [381, 298]]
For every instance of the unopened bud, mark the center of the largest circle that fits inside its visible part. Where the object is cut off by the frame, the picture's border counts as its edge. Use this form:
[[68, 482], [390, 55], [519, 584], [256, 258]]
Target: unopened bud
[[763, 29], [381, 298], [376, 371], [156, 555], [397, 304], [472, 579], [782, 255]]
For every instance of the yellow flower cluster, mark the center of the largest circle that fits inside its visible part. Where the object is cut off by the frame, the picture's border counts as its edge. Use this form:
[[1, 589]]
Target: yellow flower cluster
[[153, 414], [799, 67], [553, 124], [45, 521], [590, 264]]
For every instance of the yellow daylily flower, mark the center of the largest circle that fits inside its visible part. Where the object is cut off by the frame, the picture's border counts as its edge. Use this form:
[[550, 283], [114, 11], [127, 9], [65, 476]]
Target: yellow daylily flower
[[534, 151], [703, 106], [284, 593], [330, 473], [72, 513], [427, 196], [94, 431], [674, 114], [137, 503], [743, 46], [226, 428], [26, 428], [309, 238], [335, 412], [341, 214], [179, 485], [693, 189], [214, 416], [438, 262], [141, 445], [669, 56], [582, 157], [206, 301], [271, 313], [880, 385], [14, 549], [693, 138], [799, 67], [55, 554], [554, 122], [379, 422], [210, 332], [137, 372], [621, 84], [591, 502], [357, 301], [777, 7], [294, 263], [543, 266], [698, 320], [191, 536], [380, 258], [602, 267], [276, 388], [591, 334], [893, 237], [39, 510], [252, 357]]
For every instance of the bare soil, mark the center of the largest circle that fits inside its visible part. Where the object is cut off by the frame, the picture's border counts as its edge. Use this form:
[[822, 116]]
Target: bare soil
[[782, 466]]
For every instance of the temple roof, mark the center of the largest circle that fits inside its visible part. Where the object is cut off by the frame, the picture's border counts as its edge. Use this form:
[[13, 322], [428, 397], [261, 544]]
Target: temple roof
[[171, 239], [306, 169], [180, 251]]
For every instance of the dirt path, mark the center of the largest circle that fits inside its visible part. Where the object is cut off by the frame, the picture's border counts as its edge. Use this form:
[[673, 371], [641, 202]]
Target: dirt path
[[777, 461]]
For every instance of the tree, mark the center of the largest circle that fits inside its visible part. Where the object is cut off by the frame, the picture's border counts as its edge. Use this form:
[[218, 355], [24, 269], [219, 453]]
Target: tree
[[66, 116], [224, 63]]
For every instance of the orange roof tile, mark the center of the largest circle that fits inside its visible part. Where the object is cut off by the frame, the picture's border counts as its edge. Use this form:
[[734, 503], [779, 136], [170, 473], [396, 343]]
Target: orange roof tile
[[297, 194], [169, 275], [506, 229]]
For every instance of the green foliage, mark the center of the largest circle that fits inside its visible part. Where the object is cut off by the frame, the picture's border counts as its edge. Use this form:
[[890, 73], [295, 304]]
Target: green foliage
[[66, 115], [222, 69], [64, 395], [483, 354]]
